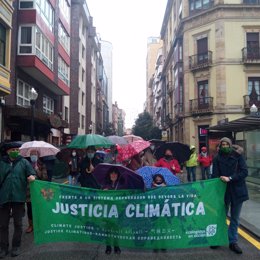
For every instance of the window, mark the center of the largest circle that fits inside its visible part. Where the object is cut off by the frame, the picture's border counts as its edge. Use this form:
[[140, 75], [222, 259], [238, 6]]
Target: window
[[64, 38], [82, 98], [79, 120], [46, 11], [44, 49], [48, 105], [202, 50], [2, 45], [252, 2], [196, 5], [25, 43], [252, 43], [66, 114], [203, 93], [82, 75], [63, 71], [82, 122], [83, 51], [65, 9], [26, 4], [22, 93]]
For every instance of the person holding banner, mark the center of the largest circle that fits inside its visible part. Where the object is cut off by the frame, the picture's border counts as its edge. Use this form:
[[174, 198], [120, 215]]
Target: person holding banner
[[87, 167], [15, 173], [113, 179], [230, 166]]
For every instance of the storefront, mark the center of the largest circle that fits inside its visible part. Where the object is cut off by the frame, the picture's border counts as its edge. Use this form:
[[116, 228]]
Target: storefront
[[245, 132]]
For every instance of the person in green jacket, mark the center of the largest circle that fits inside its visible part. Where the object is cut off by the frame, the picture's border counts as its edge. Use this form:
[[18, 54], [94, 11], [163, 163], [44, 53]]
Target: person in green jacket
[[15, 173], [191, 164]]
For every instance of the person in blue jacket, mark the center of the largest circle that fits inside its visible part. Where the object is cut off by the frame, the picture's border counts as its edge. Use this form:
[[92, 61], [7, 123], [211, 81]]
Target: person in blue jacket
[[229, 165]]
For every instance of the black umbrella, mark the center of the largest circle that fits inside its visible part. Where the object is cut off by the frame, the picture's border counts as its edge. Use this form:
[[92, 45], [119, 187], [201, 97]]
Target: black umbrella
[[180, 151]]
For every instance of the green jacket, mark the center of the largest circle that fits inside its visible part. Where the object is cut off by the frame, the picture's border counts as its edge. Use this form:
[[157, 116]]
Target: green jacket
[[13, 187]]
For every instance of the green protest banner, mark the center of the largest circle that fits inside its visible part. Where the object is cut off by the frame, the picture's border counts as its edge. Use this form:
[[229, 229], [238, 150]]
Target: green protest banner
[[183, 216]]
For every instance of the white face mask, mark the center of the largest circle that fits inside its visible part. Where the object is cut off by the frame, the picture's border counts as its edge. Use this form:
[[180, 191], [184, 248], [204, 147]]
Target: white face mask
[[34, 158], [74, 154]]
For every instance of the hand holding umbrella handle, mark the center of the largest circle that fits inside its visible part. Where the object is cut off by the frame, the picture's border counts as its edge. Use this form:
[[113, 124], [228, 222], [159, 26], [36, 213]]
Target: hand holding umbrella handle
[[90, 169]]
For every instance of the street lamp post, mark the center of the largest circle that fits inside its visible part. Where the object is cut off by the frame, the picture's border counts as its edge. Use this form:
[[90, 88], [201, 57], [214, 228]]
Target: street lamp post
[[33, 96]]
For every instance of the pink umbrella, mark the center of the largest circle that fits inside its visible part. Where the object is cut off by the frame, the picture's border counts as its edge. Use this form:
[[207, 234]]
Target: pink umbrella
[[132, 138], [130, 150], [43, 148]]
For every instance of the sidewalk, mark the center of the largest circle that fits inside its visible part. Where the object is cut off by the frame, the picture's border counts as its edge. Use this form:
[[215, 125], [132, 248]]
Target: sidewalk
[[251, 210]]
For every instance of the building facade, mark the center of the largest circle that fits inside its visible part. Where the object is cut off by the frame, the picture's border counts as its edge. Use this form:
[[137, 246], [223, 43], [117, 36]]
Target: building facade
[[6, 11], [40, 61], [153, 46], [211, 68]]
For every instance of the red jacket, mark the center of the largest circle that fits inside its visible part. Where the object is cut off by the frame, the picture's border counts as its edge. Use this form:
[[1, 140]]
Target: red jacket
[[205, 161], [168, 164]]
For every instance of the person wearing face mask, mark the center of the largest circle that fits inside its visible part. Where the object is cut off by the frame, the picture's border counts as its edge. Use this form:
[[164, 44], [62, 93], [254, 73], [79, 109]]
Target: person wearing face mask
[[191, 164], [205, 161], [169, 162], [230, 166], [74, 168], [41, 174], [87, 167], [15, 173]]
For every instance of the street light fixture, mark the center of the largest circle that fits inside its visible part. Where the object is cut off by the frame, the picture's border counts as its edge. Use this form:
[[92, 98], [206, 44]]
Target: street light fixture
[[90, 128], [32, 96], [253, 109]]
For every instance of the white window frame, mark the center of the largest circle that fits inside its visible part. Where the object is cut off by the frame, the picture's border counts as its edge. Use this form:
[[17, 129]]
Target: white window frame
[[48, 105], [63, 71], [45, 55], [64, 38], [25, 100], [65, 9]]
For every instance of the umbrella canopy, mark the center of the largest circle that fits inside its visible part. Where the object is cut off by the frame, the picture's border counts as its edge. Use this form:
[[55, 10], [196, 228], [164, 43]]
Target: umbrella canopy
[[180, 151], [132, 138], [132, 149], [43, 148], [83, 141], [147, 173], [117, 139], [128, 179]]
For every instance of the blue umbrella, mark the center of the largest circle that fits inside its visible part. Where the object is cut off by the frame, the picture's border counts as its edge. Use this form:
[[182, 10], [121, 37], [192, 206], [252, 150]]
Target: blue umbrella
[[147, 172]]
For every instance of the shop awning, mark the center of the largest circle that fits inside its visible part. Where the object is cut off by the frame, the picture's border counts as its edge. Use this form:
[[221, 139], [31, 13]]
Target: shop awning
[[247, 123]]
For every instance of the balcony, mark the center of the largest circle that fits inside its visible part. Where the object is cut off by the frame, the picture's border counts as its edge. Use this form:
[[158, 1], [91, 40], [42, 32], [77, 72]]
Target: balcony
[[178, 110], [250, 100], [201, 106], [200, 61], [251, 55]]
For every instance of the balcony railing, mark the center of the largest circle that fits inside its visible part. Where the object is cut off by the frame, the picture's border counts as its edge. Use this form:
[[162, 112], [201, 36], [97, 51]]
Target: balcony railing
[[178, 110], [201, 105], [250, 100], [251, 55], [200, 61]]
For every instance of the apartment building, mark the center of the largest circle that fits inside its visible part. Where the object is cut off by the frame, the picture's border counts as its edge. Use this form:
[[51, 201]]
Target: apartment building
[[40, 63], [211, 69], [154, 44], [6, 11]]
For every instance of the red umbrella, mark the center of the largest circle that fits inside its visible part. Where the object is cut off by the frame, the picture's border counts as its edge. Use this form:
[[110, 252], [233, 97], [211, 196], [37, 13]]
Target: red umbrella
[[132, 149], [132, 138]]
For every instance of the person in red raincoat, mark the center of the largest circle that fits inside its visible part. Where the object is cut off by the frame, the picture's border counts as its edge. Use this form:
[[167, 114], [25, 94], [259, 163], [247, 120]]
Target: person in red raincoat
[[205, 161], [169, 162]]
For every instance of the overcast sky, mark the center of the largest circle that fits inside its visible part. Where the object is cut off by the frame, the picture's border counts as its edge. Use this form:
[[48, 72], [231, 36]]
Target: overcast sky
[[127, 24]]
